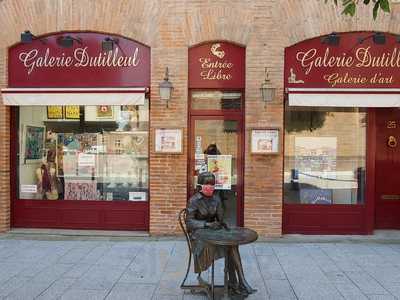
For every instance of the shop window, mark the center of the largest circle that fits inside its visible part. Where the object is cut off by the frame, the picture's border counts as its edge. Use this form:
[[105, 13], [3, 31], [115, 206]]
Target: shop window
[[216, 100], [325, 155], [83, 152]]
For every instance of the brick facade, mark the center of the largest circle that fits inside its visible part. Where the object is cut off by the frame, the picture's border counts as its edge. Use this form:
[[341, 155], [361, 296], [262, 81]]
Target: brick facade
[[169, 27]]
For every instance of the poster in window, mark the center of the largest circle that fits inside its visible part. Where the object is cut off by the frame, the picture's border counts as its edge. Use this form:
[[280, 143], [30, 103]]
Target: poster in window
[[55, 112], [134, 142], [315, 157], [104, 112], [221, 167], [72, 112], [80, 190], [316, 196], [168, 140], [265, 141], [33, 143]]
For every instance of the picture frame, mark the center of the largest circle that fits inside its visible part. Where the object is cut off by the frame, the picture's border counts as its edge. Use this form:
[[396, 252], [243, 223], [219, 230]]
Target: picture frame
[[55, 112], [72, 112], [104, 112], [168, 140], [265, 141], [33, 143]]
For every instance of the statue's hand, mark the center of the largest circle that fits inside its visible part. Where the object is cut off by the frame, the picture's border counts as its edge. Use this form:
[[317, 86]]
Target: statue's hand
[[213, 225], [224, 225]]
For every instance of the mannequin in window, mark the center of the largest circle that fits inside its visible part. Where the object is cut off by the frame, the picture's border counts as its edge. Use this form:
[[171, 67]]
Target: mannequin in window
[[46, 176]]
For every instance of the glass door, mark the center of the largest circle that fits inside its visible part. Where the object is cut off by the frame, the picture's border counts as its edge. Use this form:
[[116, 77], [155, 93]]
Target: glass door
[[216, 147]]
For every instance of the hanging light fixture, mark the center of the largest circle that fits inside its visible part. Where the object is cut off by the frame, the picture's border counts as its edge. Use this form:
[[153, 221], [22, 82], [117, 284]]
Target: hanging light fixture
[[267, 90], [166, 88], [68, 41]]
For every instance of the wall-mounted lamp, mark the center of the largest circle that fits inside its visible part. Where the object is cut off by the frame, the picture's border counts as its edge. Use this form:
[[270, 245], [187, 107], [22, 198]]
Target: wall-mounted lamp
[[108, 44], [332, 39], [267, 90], [68, 41], [379, 38], [166, 88], [27, 37]]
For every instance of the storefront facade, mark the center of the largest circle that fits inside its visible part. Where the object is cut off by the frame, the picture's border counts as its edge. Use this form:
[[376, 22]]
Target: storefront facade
[[119, 157]]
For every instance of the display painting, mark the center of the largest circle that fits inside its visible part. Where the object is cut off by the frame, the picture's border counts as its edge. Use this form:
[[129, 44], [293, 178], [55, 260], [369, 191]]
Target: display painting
[[168, 140], [72, 112], [33, 143], [80, 189], [265, 141], [55, 112], [221, 167], [104, 112]]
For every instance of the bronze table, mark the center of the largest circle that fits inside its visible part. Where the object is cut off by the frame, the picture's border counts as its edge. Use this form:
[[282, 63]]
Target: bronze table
[[232, 237]]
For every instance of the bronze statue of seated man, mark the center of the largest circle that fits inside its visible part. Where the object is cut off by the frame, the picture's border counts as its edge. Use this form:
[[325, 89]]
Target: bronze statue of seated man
[[205, 210]]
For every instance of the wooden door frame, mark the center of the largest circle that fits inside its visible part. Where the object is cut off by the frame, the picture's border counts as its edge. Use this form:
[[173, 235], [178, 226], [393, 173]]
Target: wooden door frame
[[237, 115]]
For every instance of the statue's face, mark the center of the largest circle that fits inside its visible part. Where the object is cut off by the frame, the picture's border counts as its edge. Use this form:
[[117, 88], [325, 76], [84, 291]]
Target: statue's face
[[207, 189]]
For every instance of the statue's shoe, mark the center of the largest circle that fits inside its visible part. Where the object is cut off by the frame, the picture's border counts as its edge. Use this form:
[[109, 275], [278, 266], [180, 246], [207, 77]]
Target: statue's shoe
[[245, 287]]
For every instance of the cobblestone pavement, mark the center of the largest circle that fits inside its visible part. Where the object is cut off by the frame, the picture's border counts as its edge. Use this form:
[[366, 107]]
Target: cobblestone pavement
[[149, 269]]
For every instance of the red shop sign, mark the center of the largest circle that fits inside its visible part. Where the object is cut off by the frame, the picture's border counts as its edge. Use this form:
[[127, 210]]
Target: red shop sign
[[217, 65], [45, 63], [356, 62]]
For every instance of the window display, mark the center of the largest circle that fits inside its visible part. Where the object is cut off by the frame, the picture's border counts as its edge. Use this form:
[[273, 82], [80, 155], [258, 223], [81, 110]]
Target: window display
[[325, 155], [91, 158]]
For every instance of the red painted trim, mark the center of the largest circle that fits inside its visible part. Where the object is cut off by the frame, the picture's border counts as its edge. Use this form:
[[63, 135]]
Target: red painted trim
[[14, 146], [370, 171], [324, 219]]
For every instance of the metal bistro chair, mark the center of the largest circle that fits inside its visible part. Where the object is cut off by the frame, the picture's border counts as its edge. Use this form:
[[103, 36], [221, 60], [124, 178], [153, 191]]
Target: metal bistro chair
[[203, 288]]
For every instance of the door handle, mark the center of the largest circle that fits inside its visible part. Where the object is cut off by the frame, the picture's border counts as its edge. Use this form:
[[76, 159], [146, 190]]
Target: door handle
[[392, 142]]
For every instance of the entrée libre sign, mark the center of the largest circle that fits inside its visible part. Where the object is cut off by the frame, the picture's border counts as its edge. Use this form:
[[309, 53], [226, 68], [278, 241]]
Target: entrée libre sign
[[32, 60], [216, 65], [355, 63], [216, 69]]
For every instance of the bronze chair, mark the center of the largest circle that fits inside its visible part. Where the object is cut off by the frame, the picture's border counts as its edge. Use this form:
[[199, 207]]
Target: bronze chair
[[199, 288], [182, 223]]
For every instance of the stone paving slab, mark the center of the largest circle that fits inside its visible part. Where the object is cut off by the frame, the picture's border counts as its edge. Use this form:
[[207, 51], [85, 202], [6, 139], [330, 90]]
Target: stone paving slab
[[150, 269]]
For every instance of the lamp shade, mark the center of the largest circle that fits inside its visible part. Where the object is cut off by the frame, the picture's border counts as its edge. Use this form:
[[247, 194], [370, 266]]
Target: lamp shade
[[166, 87], [267, 93], [26, 37], [166, 90], [107, 44]]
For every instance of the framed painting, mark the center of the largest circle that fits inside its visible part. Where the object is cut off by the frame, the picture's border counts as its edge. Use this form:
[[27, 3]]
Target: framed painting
[[55, 112], [265, 141], [33, 143], [72, 112], [168, 140]]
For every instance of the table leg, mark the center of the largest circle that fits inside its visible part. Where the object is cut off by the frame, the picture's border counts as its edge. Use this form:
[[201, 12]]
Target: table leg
[[212, 278], [226, 270]]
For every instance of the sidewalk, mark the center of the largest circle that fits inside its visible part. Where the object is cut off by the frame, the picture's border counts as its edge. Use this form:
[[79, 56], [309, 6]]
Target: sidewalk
[[146, 268]]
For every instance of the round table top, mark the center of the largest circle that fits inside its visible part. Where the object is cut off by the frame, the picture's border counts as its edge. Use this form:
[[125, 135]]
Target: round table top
[[232, 237]]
